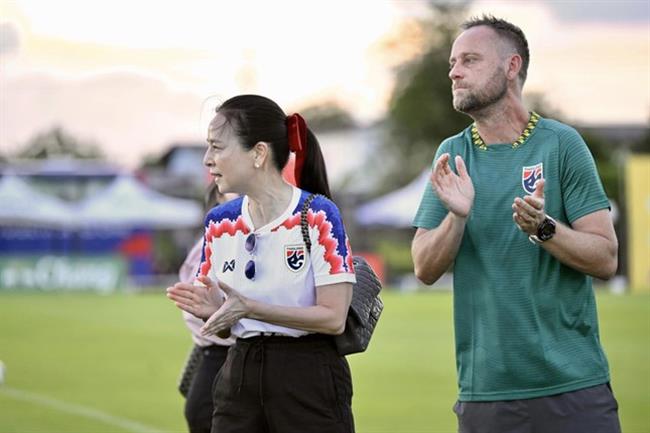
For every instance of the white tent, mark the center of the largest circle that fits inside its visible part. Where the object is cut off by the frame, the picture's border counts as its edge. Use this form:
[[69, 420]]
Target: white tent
[[20, 205], [127, 202], [397, 208]]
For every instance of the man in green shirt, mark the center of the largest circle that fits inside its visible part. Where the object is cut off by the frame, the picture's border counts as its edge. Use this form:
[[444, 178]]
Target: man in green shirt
[[516, 204]]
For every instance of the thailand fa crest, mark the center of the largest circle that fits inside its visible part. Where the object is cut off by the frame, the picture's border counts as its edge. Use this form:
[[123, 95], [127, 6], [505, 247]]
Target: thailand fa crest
[[294, 257], [530, 175]]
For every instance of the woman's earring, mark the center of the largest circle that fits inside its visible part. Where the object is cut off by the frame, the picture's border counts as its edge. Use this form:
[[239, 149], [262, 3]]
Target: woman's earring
[[257, 165]]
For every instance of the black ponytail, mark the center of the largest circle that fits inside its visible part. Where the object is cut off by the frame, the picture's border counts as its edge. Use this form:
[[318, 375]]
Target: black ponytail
[[314, 173], [256, 118]]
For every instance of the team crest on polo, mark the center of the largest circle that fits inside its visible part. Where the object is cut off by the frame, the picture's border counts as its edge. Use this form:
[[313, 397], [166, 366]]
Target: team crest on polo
[[530, 175], [294, 257]]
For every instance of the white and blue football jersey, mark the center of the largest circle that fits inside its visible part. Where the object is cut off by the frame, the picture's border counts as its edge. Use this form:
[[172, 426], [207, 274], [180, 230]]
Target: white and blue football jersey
[[285, 273]]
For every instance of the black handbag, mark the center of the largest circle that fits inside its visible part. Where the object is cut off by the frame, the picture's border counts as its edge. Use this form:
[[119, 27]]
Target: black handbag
[[187, 375], [366, 305]]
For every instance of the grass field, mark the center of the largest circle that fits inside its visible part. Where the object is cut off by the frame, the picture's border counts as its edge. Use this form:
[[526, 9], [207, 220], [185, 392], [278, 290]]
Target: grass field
[[89, 363]]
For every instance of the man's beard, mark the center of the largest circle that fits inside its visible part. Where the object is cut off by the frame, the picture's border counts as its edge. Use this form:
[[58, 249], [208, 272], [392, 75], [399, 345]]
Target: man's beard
[[476, 101]]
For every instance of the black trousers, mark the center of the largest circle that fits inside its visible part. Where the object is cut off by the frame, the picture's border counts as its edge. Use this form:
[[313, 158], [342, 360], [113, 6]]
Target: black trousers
[[283, 385], [198, 405], [588, 410]]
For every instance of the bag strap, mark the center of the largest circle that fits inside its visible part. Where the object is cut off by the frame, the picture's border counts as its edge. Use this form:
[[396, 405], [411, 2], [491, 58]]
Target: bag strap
[[304, 225]]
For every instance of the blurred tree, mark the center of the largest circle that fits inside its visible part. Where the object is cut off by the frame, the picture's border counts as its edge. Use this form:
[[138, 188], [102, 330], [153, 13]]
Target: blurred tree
[[327, 116], [150, 160], [609, 166], [59, 143], [643, 144], [420, 113]]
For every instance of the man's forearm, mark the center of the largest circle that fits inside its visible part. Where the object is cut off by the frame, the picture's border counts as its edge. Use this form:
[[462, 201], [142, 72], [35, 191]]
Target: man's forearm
[[434, 250], [593, 254]]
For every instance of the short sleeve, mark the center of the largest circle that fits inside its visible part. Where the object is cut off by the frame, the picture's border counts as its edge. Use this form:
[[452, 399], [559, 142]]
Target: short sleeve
[[190, 267], [205, 264], [331, 255], [582, 189], [431, 211]]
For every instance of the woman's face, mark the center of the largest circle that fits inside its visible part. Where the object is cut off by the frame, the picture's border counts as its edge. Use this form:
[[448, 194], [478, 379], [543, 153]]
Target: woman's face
[[231, 166]]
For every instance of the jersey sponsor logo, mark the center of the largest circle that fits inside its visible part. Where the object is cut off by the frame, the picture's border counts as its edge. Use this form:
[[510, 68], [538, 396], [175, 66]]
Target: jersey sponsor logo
[[294, 257], [228, 266], [530, 175]]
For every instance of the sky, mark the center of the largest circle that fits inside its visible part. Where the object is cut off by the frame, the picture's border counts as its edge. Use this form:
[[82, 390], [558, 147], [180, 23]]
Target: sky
[[134, 76]]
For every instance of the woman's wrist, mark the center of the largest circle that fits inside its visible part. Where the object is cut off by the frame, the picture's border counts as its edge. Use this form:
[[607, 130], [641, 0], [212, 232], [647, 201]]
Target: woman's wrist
[[251, 308]]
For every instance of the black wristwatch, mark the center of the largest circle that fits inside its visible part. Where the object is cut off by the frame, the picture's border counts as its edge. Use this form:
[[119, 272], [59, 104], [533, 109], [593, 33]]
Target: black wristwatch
[[545, 231]]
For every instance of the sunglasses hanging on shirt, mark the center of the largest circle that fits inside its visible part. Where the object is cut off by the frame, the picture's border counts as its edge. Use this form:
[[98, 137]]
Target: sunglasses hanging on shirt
[[250, 244]]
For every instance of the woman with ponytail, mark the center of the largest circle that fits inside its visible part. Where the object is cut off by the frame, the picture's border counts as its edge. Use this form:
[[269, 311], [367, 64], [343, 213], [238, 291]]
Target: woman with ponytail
[[260, 283]]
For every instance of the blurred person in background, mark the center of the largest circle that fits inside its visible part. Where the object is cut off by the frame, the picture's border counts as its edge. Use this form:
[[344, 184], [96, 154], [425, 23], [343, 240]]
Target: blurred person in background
[[213, 350], [517, 206], [282, 303]]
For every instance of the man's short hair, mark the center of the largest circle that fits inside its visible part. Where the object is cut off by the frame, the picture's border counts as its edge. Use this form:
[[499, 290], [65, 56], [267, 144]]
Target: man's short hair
[[507, 31]]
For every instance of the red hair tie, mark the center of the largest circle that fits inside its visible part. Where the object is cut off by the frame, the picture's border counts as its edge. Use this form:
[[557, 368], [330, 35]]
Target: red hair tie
[[297, 134]]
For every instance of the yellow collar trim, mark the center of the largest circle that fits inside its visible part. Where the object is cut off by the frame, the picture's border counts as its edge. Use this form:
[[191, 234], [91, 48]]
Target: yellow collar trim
[[532, 123]]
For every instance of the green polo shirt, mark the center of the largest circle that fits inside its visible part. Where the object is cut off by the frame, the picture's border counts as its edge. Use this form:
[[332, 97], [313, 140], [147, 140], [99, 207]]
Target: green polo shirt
[[525, 324]]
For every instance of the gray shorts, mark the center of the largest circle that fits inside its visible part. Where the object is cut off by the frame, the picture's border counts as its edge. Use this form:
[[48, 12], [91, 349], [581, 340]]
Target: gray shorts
[[589, 410]]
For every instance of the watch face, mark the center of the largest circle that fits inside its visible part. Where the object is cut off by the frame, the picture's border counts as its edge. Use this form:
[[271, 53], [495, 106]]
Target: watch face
[[546, 230]]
